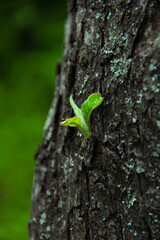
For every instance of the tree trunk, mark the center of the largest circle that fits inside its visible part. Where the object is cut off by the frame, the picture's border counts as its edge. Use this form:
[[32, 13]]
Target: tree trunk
[[105, 187]]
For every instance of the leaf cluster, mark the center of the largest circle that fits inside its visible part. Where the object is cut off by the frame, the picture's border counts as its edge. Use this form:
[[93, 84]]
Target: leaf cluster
[[82, 116]]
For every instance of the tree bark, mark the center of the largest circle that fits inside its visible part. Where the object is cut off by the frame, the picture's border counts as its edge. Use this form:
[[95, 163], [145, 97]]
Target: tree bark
[[105, 187]]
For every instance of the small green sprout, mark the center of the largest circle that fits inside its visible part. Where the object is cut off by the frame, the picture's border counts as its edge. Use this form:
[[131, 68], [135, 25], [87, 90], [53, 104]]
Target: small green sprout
[[82, 118]]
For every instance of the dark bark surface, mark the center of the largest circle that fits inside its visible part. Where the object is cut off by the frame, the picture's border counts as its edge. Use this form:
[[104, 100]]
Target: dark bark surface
[[105, 187]]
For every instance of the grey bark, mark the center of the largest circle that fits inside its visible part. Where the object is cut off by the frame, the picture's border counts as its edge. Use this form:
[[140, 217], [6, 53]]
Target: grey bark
[[105, 187]]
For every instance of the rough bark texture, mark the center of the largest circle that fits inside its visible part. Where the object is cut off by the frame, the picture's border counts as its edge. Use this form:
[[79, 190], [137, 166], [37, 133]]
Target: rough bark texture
[[106, 187]]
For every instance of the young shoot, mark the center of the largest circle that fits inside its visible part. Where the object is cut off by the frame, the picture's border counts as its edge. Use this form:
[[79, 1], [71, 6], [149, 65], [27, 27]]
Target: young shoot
[[82, 116]]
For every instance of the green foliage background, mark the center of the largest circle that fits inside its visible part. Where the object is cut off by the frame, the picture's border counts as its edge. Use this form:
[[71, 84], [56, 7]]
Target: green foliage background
[[30, 44]]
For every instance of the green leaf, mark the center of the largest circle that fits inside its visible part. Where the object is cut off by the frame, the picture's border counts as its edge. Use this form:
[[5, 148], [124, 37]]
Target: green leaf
[[79, 114], [76, 122], [72, 122], [93, 101], [76, 109]]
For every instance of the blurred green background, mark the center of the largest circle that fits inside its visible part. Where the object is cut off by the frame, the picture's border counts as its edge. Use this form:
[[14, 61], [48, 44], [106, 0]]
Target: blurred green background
[[31, 40]]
